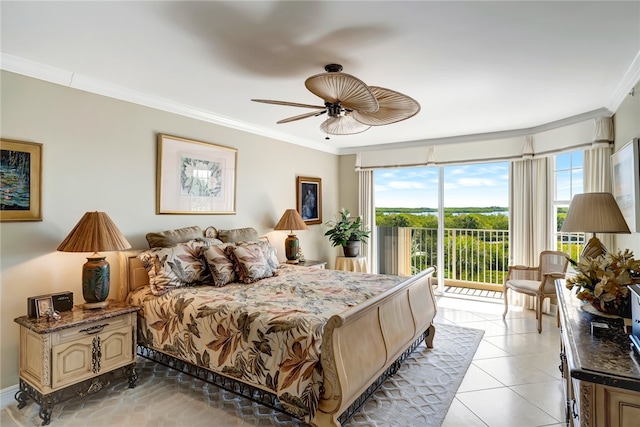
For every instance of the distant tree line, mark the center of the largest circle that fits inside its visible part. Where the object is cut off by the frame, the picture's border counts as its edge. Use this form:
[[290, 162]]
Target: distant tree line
[[453, 218]]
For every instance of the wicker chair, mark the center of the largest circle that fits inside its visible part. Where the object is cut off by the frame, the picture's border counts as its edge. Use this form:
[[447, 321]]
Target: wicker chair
[[538, 281]]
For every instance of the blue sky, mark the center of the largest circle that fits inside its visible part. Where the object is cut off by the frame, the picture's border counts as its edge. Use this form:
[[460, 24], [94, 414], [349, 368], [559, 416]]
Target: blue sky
[[465, 185]]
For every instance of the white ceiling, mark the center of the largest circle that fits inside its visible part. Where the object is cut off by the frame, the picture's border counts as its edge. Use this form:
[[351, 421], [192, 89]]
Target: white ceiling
[[475, 67]]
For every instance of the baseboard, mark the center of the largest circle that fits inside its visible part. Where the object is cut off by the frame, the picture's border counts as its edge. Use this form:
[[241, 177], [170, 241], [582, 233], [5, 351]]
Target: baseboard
[[7, 396]]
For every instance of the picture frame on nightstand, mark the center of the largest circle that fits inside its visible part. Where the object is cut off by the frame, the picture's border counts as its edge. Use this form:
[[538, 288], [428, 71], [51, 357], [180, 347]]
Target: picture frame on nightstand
[[44, 306]]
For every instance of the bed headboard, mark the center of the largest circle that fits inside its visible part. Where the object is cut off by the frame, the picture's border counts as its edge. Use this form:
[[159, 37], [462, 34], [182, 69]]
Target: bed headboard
[[132, 273]]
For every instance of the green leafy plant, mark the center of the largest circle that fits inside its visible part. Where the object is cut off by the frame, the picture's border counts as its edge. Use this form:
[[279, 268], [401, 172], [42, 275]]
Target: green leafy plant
[[346, 228], [604, 281]]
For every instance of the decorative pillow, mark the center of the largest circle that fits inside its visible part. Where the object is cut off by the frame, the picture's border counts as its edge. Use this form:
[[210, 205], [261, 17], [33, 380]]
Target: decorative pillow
[[250, 263], [268, 251], [221, 267], [211, 231], [238, 235], [209, 241], [176, 266], [173, 237]]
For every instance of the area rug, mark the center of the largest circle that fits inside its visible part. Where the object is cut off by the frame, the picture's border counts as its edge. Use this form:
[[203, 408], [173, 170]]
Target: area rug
[[419, 394]]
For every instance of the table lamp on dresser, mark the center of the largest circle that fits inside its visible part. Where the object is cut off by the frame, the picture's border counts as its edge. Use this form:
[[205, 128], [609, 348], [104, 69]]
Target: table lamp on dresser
[[95, 233], [594, 213]]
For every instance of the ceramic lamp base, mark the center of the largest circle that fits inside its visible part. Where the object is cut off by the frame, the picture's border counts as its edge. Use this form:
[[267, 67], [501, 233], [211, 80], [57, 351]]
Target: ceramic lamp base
[[96, 277], [95, 305], [291, 247], [593, 249]]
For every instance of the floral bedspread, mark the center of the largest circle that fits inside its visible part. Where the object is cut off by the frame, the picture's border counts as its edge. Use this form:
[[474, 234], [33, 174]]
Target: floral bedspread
[[268, 333]]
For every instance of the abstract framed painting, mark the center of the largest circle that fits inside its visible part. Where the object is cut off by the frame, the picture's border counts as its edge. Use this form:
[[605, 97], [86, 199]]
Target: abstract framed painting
[[625, 177], [195, 177], [309, 199], [20, 181]]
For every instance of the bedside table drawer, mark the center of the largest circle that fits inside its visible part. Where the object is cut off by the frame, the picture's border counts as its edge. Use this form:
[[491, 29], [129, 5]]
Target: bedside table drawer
[[92, 328], [85, 356]]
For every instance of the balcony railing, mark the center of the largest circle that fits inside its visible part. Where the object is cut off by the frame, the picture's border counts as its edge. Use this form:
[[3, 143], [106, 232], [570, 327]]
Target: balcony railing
[[472, 258]]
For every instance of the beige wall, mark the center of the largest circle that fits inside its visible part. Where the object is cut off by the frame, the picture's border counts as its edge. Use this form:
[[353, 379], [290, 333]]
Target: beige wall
[[100, 154], [627, 126]]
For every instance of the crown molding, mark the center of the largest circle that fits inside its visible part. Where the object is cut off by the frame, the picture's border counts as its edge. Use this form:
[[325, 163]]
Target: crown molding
[[75, 81], [629, 80], [66, 78], [484, 136]]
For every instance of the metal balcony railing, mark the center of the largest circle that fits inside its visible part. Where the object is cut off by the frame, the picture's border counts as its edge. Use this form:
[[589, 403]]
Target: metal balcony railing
[[472, 258]]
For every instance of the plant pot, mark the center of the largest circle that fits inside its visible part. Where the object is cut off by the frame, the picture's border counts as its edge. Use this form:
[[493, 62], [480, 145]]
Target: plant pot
[[622, 308], [352, 249]]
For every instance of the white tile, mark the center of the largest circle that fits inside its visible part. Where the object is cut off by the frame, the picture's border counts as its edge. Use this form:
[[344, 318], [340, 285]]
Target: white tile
[[477, 379], [491, 328], [548, 396], [530, 343], [459, 415], [487, 350], [547, 362], [502, 407], [511, 371]]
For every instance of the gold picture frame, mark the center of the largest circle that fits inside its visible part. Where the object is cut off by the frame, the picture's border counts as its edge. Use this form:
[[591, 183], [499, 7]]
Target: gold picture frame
[[20, 181], [195, 177], [309, 199]]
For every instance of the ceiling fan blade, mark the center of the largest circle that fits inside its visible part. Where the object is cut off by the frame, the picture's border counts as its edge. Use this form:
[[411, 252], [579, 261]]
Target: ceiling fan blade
[[394, 107], [350, 91], [343, 125], [301, 116], [290, 104]]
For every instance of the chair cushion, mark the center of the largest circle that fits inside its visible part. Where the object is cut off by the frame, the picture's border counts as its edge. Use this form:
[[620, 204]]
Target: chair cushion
[[529, 286]]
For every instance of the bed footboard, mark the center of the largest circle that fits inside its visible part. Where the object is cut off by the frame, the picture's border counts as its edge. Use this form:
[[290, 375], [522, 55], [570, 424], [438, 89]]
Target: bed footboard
[[360, 344]]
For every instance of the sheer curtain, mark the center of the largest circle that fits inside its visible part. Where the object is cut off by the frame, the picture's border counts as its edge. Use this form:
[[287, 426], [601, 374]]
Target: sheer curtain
[[597, 165], [367, 209], [530, 220]]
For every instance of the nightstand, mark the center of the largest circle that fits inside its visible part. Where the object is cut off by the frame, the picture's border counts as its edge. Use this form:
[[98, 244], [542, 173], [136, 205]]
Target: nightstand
[[79, 354], [313, 264]]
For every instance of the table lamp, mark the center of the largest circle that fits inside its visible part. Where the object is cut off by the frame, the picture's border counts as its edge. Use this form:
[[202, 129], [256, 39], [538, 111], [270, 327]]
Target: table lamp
[[95, 233], [594, 213], [291, 220]]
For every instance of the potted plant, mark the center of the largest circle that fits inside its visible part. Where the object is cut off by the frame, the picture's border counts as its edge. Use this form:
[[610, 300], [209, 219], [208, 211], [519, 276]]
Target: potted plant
[[348, 232]]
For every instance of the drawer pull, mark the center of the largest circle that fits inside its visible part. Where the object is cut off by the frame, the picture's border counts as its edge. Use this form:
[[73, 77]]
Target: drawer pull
[[94, 329]]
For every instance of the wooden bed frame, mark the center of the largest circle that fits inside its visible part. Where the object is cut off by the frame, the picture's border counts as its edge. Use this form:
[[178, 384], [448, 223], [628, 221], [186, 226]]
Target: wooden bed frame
[[359, 346]]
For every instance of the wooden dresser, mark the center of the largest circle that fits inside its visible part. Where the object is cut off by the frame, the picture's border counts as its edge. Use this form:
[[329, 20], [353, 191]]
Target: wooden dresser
[[601, 373]]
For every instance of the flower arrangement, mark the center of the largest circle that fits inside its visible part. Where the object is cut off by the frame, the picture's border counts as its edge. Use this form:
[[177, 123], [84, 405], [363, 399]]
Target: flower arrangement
[[604, 281]]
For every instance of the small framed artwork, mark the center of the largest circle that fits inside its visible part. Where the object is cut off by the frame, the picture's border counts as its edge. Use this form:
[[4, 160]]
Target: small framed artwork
[[309, 199], [44, 305], [20, 181], [195, 177], [625, 171]]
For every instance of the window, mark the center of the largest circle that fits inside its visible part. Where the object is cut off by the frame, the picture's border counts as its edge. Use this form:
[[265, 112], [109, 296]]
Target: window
[[568, 180], [467, 237]]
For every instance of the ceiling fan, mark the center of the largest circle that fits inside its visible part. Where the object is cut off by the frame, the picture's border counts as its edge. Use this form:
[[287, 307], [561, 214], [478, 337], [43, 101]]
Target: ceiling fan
[[351, 106]]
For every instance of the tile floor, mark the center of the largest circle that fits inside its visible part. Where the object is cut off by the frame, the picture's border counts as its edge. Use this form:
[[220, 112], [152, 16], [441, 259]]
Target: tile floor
[[514, 379]]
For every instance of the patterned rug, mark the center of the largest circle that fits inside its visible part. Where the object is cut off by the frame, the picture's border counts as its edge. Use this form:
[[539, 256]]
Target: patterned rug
[[419, 394]]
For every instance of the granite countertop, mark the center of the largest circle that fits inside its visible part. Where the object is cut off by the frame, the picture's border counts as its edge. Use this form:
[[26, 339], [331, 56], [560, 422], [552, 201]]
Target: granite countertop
[[75, 317], [606, 358]]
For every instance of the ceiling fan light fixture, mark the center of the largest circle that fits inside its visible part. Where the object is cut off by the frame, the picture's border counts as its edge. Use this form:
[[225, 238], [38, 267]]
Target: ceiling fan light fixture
[[343, 125]]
